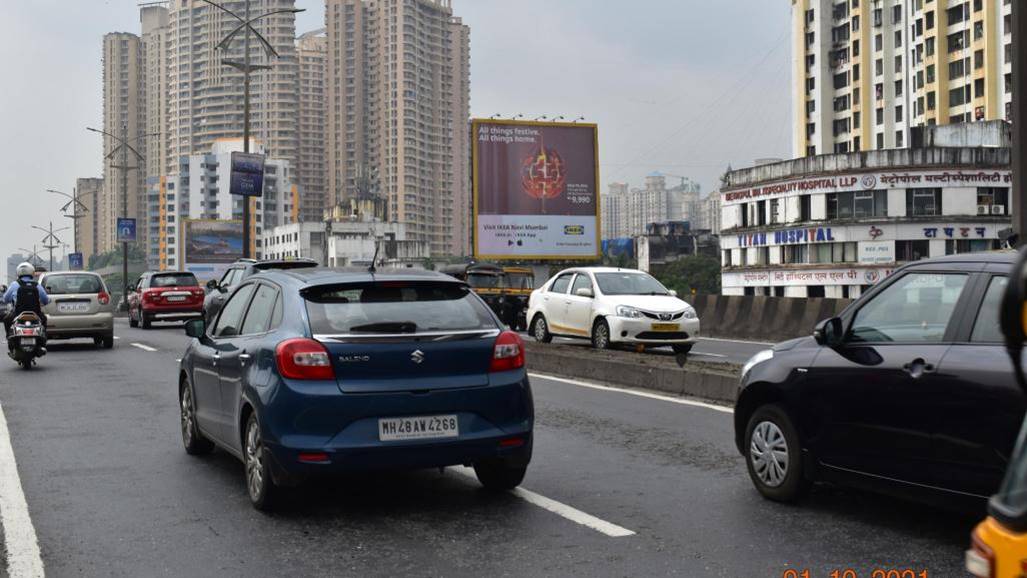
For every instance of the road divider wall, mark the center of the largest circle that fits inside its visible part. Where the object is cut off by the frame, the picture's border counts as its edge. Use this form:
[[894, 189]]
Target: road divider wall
[[651, 371], [759, 318]]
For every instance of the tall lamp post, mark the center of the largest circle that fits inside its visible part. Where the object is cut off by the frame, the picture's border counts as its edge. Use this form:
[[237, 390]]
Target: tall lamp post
[[33, 256], [51, 241], [78, 210], [1019, 195], [124, 145], [246, 27]]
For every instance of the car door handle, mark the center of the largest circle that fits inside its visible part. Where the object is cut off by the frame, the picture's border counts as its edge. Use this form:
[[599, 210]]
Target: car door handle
[[217, 357], [244, 357], [918, 367]]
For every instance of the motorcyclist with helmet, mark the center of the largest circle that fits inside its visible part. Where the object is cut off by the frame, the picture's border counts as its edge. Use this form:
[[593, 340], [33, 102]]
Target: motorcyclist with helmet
[[26, 295]]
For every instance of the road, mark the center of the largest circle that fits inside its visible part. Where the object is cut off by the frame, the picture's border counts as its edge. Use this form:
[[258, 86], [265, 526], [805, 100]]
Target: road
[[707, 349], [110, 491]]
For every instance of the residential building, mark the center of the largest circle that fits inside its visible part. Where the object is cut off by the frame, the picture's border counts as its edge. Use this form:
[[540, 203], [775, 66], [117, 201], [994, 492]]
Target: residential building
[[311, 49], [347, 244], [88, 192], [834, 225], [199, 190], [709, 213], [866, 72], [626, 213], [665, 243], [154, 46], [397, 114], [205, 97], [122, 116]]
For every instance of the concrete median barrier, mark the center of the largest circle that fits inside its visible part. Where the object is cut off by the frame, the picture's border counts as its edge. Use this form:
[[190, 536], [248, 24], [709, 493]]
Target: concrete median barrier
[[661, 373], [759, 318]]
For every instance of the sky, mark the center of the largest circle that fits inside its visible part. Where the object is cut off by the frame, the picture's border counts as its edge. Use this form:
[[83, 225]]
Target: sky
[[684, 87]]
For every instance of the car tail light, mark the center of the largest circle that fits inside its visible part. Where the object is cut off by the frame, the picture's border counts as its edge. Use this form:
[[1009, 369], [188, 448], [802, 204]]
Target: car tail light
[[313, 457], [149, 295], [304, 359], [511, 443], [26, 331], [980, 559], [508, 352], [103, 298]]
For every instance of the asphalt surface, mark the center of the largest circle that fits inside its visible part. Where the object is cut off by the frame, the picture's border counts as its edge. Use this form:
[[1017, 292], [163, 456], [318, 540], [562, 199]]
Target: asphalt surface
[[111, 492], [707, 349]]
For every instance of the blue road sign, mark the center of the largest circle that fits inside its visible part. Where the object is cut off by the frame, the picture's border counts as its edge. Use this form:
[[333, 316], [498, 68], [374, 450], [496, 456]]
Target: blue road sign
[[75, 261], [126, 230], [247, 175]]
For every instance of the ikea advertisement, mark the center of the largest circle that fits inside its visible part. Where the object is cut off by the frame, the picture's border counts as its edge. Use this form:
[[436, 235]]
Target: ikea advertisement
[[209, 247], [535, 190]]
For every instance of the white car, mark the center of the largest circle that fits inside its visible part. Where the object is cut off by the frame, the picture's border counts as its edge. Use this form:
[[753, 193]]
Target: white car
[[611, 306]]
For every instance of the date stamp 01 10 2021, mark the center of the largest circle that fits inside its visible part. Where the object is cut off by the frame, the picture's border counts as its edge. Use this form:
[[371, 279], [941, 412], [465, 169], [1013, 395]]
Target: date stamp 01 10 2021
[[852, 573]]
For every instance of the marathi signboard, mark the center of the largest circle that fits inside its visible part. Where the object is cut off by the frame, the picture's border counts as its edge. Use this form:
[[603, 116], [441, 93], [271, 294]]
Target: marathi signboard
[[535, 190], [803, 277], [879, 232], [126, 230], [247, 175], [209, 247], [877, 252]]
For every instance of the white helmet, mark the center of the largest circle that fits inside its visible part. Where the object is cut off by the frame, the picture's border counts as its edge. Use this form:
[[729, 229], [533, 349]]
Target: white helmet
[[26, 269]]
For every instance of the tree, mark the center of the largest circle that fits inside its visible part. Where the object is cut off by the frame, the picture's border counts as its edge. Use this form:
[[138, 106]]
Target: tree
[[700, 273]]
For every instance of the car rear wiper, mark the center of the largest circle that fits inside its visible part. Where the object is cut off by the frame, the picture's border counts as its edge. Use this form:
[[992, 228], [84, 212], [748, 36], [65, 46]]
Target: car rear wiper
[[387, 327]]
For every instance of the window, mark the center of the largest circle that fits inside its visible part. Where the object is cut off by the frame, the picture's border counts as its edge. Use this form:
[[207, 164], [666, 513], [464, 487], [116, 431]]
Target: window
[[230, 319], [841, 80], [727, 258], [775, 207], [582, 281], [996, 200], [978, 60], [958, 41], [896, 15], [879, 67], [960, 96], [986, 327], [805, 209], [561, 284], [898, 88], [930, 20], [857, 204], [879, 115], [898, 113], [915, 309], [923, 202], [761, 213], [258, 318], [899, 138], [907, 251]]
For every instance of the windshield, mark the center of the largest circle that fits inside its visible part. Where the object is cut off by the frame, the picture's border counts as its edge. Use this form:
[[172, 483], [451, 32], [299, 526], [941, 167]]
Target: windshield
[[483, 281], [395, 308], [629, 284], [72, 284], [520, 281], [174, 280], [1013, 493]]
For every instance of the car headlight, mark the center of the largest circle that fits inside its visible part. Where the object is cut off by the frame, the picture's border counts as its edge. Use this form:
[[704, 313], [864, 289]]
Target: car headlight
[[691, 314], [629, 312], [765, 355]]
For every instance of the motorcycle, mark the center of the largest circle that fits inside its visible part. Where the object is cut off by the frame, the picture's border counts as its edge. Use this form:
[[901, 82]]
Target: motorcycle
[[27, 340]]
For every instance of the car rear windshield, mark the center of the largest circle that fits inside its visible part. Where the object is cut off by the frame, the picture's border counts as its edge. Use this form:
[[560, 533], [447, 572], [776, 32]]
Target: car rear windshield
[[629, 284], [520, 281], [174, 280], [72, 284], [284, 265], [392, 308]]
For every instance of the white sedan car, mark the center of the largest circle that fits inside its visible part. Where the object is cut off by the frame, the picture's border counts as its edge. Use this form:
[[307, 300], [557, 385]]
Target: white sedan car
[[611, 306]]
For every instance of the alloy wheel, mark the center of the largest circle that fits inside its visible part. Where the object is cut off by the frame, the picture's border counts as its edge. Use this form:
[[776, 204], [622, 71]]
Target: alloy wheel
[[601, 336], [254, 461], [187, 416], [540, 329], [768, 451]]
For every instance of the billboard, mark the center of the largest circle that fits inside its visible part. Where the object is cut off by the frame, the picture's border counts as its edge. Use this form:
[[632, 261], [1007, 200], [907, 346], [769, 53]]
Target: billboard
[[247, 178], [536, 190], [209, 247]]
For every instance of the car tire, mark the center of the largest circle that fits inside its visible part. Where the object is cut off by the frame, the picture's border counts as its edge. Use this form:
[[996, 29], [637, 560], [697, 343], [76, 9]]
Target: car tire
[[144, 320], [498, 477], [260, 486], [194, 442], [601, 334], [682, 349], [106, 341], [770, 439], [540, 330], [132, 321]]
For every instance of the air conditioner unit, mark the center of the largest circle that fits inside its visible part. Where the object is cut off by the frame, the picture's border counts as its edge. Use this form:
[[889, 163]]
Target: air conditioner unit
[[998, 210], [983, 209]]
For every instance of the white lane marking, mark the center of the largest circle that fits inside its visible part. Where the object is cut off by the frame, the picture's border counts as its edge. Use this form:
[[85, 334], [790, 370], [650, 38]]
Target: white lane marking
[[636, 392], [116, 337], [563, 510], [706, 354], [23, 557], [735, 341], [144, 347]]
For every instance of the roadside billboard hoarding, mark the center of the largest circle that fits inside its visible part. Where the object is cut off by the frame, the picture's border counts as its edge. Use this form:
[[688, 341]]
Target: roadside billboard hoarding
[[536, 190], [210, 246], [247, 177]]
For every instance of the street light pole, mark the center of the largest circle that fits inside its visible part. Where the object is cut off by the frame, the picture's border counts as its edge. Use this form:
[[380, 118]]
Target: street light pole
[[246, 26], [50, 241], [77, 206], [1019, 194]]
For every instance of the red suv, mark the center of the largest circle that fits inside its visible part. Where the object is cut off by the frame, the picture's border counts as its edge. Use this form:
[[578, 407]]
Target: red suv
[[164, 296]]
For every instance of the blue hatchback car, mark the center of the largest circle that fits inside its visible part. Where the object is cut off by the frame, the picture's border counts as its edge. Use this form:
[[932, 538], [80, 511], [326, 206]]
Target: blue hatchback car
[[321, 371]]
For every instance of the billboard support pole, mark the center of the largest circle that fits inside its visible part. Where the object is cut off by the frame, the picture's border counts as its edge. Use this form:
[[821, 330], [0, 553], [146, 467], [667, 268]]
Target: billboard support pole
[[1019, 118]]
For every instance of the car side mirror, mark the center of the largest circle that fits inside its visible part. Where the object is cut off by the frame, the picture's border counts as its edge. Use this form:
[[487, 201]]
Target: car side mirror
[[673, 293], [585, 292], [829, 332], [212, 284], [195, 328]]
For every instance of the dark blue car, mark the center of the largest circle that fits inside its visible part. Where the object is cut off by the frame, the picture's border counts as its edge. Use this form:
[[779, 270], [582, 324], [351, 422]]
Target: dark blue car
[[319, 371]]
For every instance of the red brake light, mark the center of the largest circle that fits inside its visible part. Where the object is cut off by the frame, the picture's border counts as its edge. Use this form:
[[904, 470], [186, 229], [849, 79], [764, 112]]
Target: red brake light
[[103, 298], [508, 352], [313, 457], [304, 359]]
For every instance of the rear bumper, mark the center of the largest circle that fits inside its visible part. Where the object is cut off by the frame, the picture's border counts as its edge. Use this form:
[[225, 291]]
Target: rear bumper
[[173, 313], [65, 326], [345, 427]]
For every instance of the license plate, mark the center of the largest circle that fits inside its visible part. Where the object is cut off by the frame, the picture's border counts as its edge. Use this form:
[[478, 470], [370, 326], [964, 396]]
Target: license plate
[[28, 342], [666, 326], [418, 428], [72, 307], [176, 298]]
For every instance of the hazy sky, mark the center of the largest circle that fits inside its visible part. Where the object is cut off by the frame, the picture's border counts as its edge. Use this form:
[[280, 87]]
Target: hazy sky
[[680, 86]]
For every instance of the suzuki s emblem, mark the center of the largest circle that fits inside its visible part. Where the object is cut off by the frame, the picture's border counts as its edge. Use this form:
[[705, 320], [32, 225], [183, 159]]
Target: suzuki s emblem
[[417, 357]]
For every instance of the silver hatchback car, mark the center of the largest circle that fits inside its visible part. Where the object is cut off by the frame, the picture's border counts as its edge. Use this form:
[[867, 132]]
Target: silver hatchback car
[[80, 306]]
